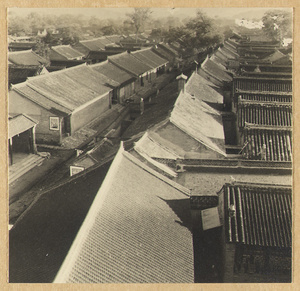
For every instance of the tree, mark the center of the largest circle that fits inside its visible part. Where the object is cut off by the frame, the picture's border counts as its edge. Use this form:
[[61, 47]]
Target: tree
[[278, 24], [139, 18]]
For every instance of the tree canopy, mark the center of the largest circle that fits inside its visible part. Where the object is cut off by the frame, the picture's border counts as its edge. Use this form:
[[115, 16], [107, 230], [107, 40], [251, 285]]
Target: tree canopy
[[139, 17], [278, 24]]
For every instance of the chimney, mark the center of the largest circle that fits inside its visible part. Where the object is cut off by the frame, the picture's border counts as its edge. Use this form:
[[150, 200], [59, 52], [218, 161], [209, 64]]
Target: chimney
[[181, 82]]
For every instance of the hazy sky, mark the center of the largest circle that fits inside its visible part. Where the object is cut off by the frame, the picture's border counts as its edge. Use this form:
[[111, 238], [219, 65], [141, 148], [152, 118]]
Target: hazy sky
[[157, 12]]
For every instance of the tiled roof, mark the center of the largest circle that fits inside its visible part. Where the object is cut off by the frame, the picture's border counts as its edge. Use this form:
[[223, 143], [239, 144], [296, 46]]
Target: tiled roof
[[262, 216], [276, 140], [114, 38], [129, 63], [86, 76], [228, 52], [200, 121], [157, 147], [17, 74], [263, 84], [67, 51], [19, 124], [168, 48], [275, 56], [68, 89], [201, 88], [131, 233], [26, 58], [265, 96], [216, 70], [163, 53], [277, 114], [150, 58], [219, 60], [38, 98], [43, 235], [95, 44], [113, 72]]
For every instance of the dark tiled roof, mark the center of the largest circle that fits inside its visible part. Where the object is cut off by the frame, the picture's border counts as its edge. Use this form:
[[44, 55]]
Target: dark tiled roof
[[277, 142], [277, 114], [150, 58], [134, 232], [263, 215], [18, 74], [265, 96], [42, 236], [26, 58], [129, 63], [218, 58], [67, 51], [263, 84], [113, 72]]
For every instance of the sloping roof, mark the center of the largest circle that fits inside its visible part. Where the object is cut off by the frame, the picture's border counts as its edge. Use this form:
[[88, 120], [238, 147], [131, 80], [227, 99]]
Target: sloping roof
[[86, 76], [265, 96], [219, 58], [277, 142], [23, 89], [277, 114], [263, 215], [156, 147], [129, 63], [67, 51], [19, 124], [114, 38], [263, 84], [43, 235], [17, 74], [150, 58], [200, 88], [112, 72], [131, 234], [163, 53], [216, 70], [168, 48], [26, 58], [95, 44], [68, 90], [200, 121]]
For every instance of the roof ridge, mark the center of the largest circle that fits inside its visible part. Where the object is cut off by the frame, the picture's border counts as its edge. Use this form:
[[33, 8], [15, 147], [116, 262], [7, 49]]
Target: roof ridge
[[161, 177]]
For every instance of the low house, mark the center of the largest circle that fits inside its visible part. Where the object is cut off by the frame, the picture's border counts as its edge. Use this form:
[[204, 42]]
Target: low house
[[127, 62], [92, 45], [23, 64], [134, 232], [125, 82], [65, 55], [148, 57], [256, 232], [21, 136], [62, 102]]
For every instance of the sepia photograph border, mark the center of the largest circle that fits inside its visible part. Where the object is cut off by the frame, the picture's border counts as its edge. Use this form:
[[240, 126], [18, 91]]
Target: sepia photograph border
[[4, 196]]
